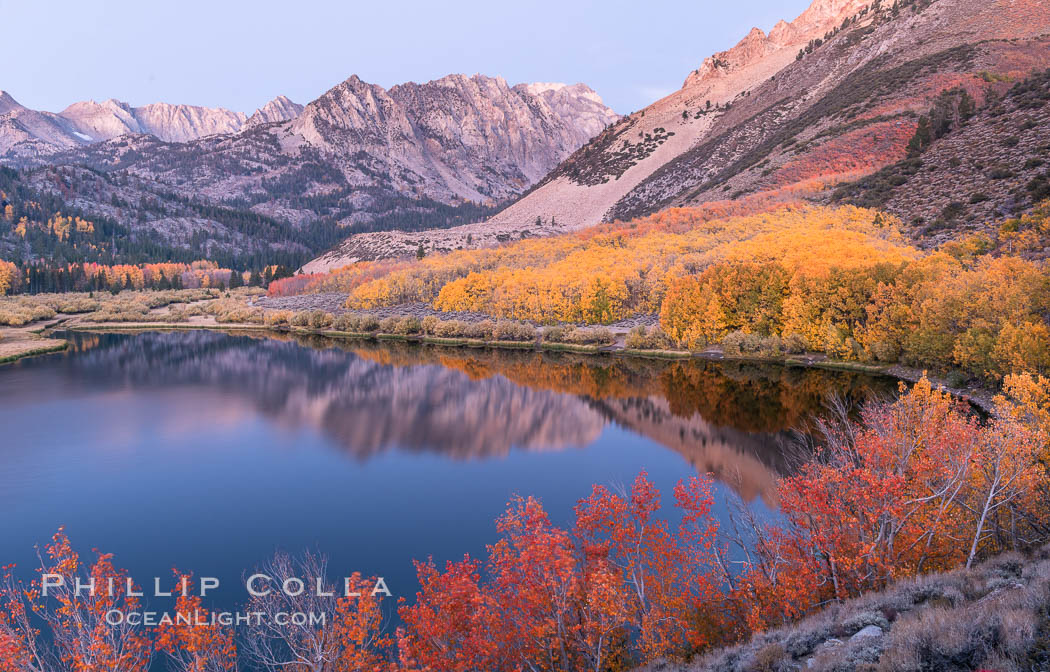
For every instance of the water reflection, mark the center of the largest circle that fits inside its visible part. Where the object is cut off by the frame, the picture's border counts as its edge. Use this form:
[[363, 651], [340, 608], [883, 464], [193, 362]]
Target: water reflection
[[729, 419], [734, 420]]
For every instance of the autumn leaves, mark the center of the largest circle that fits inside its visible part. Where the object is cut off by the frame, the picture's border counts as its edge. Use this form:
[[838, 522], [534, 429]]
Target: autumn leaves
[[981, 316], [918, 486], [839, 281], [71, 628], [621, 586], [9, 276], [79, 638], [605, 275]]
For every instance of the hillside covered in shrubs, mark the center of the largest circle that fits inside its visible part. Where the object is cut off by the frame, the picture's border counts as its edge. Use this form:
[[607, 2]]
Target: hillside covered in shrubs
[[841, 281], [995, 616]]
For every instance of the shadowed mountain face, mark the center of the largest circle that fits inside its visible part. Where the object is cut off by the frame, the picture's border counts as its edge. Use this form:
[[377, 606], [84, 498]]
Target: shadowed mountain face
[[732, 421]]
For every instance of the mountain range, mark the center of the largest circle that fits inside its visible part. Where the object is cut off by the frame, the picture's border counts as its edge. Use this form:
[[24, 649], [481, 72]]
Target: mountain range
[[935, 110], [358, 157], [31, 134]]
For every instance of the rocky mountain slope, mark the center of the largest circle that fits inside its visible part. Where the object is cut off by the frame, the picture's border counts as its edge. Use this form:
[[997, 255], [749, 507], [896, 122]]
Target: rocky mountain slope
[[990, 617], [414, 156], [785, 125], [28, 133], [584, 189], [456, 138], [988, 168], [833, 96], [171, 123], [128, 222], [790, 115]]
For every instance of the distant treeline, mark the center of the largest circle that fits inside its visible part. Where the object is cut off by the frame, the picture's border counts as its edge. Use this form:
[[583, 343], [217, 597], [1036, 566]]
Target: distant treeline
[[91, 277], [41, 224]]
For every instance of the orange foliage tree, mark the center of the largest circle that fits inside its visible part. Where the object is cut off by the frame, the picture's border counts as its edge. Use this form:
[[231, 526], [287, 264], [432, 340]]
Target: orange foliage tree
[[842, 281], [610, 272], [620, 588], [80, 637], [919, 486], [191, 641]]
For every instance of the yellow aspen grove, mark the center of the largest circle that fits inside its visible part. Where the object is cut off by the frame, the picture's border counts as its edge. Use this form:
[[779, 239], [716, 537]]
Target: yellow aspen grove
[[8, 276], [842, 281]]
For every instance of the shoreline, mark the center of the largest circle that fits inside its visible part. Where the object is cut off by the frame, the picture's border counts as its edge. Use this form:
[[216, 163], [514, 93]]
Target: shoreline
[[30, 348], [978, 397]]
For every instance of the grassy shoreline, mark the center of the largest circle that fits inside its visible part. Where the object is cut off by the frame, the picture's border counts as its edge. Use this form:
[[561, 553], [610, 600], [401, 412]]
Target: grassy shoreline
[[981, 398], [33, 348], [238, 311]]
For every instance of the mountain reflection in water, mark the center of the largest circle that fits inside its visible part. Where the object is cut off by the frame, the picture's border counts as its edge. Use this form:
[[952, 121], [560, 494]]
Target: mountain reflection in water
[[730, 419]]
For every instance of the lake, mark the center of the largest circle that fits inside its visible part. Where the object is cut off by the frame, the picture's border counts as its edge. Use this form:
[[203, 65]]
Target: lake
[[207, 451]]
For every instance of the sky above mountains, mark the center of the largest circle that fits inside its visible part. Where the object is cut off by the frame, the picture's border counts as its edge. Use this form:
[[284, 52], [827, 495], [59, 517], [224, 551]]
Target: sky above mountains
[[239, 55]]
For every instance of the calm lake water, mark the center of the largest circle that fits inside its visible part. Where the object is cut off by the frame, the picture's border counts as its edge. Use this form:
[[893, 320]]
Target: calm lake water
[[206, 451]]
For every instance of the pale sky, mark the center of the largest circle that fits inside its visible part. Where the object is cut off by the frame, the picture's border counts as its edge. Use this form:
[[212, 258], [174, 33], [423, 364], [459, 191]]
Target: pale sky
[[239, 55]]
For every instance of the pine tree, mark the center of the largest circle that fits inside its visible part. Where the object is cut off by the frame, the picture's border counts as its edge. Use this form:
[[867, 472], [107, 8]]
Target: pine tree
[[922, 138], [967, 106]]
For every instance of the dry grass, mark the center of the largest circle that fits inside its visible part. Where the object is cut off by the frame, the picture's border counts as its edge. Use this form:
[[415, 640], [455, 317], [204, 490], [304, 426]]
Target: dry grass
[[129, 306], [21, 313], [740, 344], [358, 324], [643, 338], [579, 335]]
